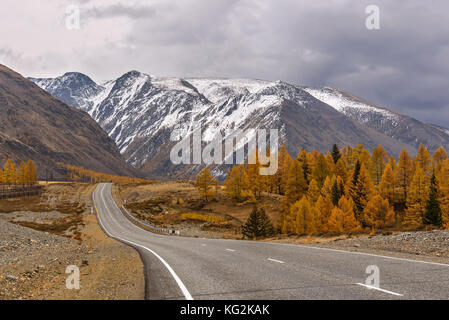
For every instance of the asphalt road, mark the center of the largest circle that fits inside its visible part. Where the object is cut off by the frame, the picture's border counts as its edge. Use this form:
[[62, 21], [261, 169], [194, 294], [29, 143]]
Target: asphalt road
[[194, 268]]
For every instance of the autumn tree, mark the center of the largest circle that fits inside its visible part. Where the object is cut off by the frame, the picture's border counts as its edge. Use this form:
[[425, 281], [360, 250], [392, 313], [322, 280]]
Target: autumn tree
[[378, 162], [404, 174], [387, 184], [342, 218], [30, 172], [279, 179], [439, 155], [237, 184], [323, 208], [378, 213], [423, 160], [22, 173], [313, 191], [304, 217], [321, 170], [443, 195], [205, 184], [340, 169], [433, 214], [9, 172], [416, 199]]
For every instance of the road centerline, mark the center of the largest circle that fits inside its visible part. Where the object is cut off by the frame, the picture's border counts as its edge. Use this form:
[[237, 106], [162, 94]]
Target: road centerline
[[275, 260], [379, 289]]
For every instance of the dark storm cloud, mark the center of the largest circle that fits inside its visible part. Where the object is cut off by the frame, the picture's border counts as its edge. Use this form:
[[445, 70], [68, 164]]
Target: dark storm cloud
[[403, 66]]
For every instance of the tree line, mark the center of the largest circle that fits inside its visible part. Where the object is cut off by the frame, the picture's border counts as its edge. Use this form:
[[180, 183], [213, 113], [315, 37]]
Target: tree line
[[78, 174], [24, 174], [349, 189]]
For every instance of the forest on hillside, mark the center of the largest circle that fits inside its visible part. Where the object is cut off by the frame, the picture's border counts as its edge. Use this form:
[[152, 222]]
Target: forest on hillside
[[348, 189]]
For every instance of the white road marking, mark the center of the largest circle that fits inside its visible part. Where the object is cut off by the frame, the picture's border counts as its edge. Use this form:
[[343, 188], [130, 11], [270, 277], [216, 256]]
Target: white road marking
[[181, 285], [379, 289], [203, 244], [230, 250], [274, 260]]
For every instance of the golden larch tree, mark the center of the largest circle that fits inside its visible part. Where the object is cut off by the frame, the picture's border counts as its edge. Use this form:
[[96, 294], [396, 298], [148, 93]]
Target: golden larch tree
[[305, 220], [378, 213], [387, 184], [313, 192], [443, 194], [9, 172], [205, 184], [342, 218], [417, 199], [378, 162], [237, 184], [404, 174]]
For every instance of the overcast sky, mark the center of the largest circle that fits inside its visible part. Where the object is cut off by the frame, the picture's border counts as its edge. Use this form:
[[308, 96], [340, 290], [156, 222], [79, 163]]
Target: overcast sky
[[403, 66]]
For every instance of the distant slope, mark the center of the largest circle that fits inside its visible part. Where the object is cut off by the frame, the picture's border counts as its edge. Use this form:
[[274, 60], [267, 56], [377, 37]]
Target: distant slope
[[140, 111], [35, 124], [398, 126]]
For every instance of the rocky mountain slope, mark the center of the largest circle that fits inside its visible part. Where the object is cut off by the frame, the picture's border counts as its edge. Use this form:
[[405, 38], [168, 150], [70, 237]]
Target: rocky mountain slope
[[34, 124], [140, 111]]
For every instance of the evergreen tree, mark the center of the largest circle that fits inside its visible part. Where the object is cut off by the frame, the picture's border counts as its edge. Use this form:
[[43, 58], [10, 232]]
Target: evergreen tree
[[258, 225], [303, 159], [361, 191], [336, 155], [433, 214]]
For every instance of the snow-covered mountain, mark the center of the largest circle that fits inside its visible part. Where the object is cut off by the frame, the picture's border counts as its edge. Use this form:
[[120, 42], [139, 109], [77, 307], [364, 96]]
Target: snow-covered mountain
[[140, 111]]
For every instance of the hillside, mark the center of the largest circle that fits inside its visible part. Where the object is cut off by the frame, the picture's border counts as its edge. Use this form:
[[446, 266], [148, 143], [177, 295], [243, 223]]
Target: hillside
[[36, 125]]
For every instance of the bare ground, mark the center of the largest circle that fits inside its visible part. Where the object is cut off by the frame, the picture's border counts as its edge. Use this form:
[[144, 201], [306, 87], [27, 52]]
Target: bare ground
[[56, 230]]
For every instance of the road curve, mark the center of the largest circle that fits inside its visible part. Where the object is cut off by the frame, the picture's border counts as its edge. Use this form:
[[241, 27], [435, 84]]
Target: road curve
[[193, 268]]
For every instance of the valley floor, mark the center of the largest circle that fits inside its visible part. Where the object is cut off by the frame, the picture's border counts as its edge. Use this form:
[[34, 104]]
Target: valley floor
[[165, 203]]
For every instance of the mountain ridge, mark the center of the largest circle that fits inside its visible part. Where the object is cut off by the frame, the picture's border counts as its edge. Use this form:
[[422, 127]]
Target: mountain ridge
[[138, 111]]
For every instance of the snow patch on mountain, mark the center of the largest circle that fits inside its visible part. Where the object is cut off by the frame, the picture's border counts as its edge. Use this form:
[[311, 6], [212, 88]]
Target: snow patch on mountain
[[351, 106]]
